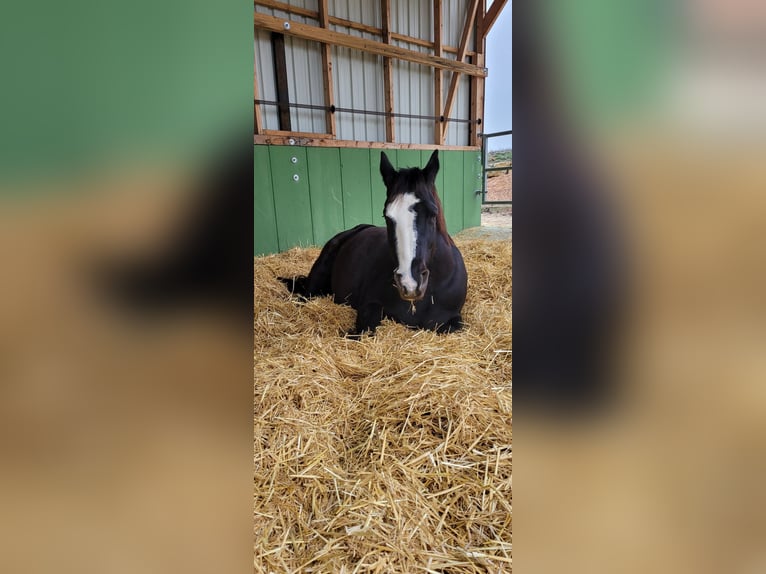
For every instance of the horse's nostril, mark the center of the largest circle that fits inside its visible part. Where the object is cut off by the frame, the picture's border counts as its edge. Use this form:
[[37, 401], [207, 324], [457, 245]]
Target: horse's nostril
[[398, 276]]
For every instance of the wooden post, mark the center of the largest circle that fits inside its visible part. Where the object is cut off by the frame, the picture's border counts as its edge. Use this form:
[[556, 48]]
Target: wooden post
[[388, 70], [257, 119], [280, 71], [462, 49], [329, 96], [477, 84], [438, 75], [473, 111]]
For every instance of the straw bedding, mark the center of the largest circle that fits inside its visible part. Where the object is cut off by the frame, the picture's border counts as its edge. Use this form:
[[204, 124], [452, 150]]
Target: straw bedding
[[387, 454]]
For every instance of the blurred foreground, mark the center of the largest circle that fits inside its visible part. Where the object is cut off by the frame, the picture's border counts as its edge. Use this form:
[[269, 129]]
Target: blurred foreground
[[125, 425], [667, 102]]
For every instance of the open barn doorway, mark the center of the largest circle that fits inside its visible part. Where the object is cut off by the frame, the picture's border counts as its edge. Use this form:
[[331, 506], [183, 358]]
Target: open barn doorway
[[497, 180], [497, 137]]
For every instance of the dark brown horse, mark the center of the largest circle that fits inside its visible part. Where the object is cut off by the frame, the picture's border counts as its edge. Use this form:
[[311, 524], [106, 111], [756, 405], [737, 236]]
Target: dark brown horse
[[411, 271]]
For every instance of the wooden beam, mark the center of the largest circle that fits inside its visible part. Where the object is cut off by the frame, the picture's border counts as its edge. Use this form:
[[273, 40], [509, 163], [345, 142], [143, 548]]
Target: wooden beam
[[373, 47], [315, 15], [438, 74], [280, 72], [290, 9], [321, 140], [388, 70], [355, 25], [412, 40], [479, 125], [292, 134], [491, 16], [326, 49], [257, 119], [470, 18], [476, 105]]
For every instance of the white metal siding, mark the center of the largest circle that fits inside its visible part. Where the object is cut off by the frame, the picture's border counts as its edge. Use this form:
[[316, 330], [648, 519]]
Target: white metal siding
[[358, 76], [304, 73], [413, 83], [267, 89], [453, 20]]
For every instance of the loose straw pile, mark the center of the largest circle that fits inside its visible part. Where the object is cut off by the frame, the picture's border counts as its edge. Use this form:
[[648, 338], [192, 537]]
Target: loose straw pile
[[387, 454]]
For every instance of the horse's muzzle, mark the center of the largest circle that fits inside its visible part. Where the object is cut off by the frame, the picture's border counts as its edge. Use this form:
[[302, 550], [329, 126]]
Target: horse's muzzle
[[415, 294]]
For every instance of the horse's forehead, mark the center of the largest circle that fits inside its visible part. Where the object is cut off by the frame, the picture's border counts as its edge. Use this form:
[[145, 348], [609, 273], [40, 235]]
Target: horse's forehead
[[401, 204]]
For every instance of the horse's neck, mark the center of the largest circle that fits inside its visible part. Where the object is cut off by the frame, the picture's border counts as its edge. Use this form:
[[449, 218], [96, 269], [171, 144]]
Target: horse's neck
[[443, 257]]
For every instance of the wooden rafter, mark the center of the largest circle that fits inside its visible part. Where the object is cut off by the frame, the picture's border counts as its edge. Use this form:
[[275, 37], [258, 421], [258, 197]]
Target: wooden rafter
[[465, 37], [313, 14], [478, 20], [438, 74], [326, 49], [318, 34], [492, 14], [388, 70]]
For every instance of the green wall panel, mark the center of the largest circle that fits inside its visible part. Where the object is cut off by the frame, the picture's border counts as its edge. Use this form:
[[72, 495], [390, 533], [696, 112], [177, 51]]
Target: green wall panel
[[264, 220], [357, 197], [614, 57], [378, 188], [472, 178], [114, 85], [326, 189], [425, 155], [454, 186], [339, 188], [406, 158], [291, 198]]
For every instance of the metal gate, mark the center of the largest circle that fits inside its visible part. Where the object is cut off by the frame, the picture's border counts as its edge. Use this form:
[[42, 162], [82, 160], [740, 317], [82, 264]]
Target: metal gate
[[490, 166]]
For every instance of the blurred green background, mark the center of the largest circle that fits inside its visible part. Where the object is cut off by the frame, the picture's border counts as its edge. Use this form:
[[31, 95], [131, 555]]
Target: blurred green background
[[611, 54], [87, 84]]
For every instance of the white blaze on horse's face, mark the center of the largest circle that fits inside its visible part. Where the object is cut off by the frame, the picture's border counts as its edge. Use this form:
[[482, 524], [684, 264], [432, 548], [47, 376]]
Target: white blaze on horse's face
[[401, 211]]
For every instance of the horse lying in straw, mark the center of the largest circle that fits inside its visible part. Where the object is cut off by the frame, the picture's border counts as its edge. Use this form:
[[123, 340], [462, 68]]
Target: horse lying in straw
[[411, 271]]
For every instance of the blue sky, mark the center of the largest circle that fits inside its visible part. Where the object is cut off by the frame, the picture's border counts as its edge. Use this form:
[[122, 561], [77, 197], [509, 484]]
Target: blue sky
[[498, 87]]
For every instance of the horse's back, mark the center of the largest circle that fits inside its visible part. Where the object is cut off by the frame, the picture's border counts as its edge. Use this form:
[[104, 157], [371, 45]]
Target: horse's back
[[364, 259], [319, 280]]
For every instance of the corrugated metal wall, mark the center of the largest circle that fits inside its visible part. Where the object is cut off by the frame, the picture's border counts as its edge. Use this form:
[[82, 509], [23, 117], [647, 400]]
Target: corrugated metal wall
[[304, 73], [453, 19], [337, 188], [358, 77]]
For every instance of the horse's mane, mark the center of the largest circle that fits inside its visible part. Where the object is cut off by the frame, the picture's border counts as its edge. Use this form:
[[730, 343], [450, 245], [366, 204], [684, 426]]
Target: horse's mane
[[441, 224]]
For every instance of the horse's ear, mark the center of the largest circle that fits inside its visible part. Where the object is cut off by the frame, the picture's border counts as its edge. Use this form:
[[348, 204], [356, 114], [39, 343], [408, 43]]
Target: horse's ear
[[387, 170], [432, 167]]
